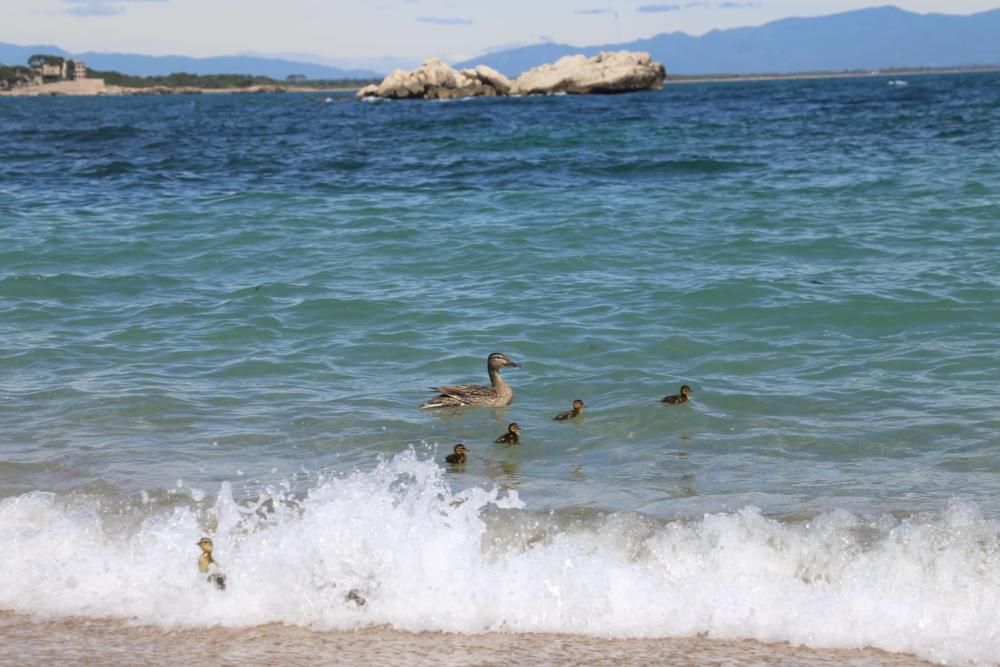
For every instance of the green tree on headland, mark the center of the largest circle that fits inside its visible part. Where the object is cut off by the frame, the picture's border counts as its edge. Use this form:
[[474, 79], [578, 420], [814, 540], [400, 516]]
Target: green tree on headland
[[40, 59], [11, 76], [212, 81]]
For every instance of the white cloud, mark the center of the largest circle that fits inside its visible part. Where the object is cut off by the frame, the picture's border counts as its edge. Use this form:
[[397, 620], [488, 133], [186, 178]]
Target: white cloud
[[99, 7], [653, 9], [443, 20]]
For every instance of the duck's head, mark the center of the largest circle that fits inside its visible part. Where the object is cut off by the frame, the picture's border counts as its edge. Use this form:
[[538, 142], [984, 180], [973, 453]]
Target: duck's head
[[460, 449], [686, 390], [206, 545], [578, 404], [513, 428], [496, 361]]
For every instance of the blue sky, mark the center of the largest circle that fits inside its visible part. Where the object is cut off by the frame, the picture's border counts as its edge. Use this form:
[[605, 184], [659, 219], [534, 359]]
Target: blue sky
[[380, 32]]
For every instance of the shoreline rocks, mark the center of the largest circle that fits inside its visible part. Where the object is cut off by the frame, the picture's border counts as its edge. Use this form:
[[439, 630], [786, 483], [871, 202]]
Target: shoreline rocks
[[97, 87], [606, 73], [60, 88]]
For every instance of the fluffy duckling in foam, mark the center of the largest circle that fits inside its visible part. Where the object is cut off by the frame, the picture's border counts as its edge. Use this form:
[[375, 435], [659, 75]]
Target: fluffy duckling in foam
[[497, 395], [682, 397], [511, 437], [207, 565], [458, 456], [577, 410]]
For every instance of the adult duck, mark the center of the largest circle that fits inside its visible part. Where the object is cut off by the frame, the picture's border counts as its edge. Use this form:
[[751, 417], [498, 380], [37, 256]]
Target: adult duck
[[497, 395]]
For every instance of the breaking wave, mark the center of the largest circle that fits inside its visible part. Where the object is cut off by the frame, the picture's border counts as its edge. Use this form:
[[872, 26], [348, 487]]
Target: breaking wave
[[426, 558]]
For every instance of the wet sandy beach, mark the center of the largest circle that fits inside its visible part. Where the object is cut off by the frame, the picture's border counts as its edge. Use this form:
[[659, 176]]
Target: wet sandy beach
[[111, 642]]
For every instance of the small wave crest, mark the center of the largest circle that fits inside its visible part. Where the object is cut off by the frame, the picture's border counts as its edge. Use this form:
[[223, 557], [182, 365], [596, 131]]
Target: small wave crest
[[98, 134], [427, 558], [693, 165]]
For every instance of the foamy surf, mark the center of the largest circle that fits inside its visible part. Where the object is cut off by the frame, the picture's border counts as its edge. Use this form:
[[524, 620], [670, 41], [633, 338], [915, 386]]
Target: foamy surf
[[427, 558]]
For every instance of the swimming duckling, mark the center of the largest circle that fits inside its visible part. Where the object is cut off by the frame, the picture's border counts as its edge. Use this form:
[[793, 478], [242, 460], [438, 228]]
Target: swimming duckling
[[511, 437], [207, 565], [678, 398], [577, 410], [458, 458], [498, 394]]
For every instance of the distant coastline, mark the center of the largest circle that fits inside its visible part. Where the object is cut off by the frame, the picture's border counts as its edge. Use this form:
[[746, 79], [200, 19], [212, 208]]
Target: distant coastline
[[97, 87], [792, 76], [51, 75]]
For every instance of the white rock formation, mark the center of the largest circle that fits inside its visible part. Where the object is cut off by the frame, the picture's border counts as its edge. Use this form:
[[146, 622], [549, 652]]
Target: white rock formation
[[490, 77], [436, 80], [607, 72]]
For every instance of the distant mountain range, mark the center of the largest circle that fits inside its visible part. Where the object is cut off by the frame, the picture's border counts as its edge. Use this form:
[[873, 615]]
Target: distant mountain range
[[140, 65], [864, 39]]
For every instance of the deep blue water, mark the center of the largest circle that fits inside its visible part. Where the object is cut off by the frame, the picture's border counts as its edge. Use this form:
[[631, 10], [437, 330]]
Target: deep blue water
[[258, 289]]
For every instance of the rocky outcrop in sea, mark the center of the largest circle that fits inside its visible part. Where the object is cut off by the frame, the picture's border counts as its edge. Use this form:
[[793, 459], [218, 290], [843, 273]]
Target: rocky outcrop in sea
[[436, 80], [607, 72]]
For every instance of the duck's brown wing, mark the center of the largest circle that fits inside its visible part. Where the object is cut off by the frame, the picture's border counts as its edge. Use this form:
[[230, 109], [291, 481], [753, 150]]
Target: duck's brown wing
[[470, 393], [457, 395], [461, 389]]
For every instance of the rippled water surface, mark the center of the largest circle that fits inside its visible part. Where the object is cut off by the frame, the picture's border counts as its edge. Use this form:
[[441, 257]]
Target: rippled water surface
[[250, 295]]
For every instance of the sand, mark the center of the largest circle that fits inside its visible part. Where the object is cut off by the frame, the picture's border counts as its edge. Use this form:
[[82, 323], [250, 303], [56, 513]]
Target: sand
[[25, 640]]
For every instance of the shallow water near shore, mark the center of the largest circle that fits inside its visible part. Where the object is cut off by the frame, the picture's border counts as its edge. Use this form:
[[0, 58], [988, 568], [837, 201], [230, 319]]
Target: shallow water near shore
[[218, 316]]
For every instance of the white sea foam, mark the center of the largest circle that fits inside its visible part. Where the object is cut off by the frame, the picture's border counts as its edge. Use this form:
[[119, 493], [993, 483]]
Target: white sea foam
[[426, 558]]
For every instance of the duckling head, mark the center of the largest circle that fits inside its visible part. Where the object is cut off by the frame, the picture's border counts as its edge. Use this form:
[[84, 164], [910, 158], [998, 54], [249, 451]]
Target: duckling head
[[496, 361], [685, 391], [206, 545], [513, 428], [205, 560], [460, 449], [579, 405]]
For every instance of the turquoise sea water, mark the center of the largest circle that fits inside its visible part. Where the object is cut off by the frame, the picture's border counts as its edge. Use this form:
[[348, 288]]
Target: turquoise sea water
[[215, 307]]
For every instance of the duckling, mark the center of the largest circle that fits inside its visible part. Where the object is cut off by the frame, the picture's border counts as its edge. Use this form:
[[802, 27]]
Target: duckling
[[511, 437], [678, 398], [458, 458], [207, 565], [577, 410], [498, 394]]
